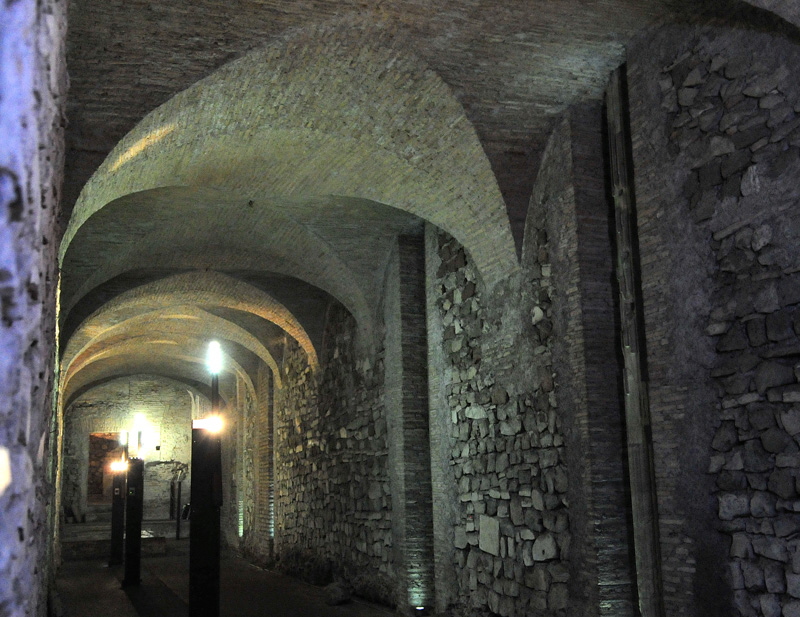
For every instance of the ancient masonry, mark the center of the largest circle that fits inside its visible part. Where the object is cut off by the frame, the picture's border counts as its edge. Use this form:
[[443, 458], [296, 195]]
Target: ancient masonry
[[333, 501], [512, 531], [731, 117]]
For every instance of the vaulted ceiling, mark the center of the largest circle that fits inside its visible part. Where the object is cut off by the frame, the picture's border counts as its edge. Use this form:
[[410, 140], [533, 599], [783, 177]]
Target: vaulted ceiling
[[233, 168]]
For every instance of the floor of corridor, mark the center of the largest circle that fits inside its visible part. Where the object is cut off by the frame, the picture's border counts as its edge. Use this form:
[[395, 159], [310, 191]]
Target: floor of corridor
[[92, 589]]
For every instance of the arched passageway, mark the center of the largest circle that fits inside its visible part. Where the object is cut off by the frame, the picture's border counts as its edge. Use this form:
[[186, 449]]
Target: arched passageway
[[398, 224]]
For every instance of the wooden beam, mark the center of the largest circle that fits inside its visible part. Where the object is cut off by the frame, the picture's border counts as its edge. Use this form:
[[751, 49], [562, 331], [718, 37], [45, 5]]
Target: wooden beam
[[644, 505]]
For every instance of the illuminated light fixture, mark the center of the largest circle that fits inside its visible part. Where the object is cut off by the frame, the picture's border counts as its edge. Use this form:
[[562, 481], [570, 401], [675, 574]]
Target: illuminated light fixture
[[212, 424], [123, 438], [214, 358], [119, 466]]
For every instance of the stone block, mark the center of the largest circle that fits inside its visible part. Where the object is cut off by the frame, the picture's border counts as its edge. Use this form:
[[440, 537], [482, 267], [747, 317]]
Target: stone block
[[791, 608], [770, 605], [538, 578], [790, 419], [732, 506], [734, 340], [774, 578], [544, 547], [775, 440], [781, 482], [756, 331], [753, 576], [760, 416], [779, 326], [475, 412], [558, 572], [785, 526], [741, 547], [793, 584], [742, 604], [736, 576], [757, 481], [460, 538], [756, 459], [726, 437], [771, 548], [517, 515], [762, 504], [558, 597], [732, 481], [489, 535]]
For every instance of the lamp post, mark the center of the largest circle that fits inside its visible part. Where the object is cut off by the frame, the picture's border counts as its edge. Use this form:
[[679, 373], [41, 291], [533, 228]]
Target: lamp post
[[119, 469], [206, 500], [134, 508]]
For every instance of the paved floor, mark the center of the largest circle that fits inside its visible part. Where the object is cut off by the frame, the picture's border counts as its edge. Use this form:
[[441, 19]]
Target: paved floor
[[91, 589]]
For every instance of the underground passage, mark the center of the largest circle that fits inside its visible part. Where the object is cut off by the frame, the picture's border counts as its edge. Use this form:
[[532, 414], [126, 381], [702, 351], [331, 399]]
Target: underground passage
[[502, 298]]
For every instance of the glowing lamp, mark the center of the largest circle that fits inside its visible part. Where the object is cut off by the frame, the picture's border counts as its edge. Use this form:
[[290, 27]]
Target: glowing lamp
[[214, 358], [212, 424], [119, 466]]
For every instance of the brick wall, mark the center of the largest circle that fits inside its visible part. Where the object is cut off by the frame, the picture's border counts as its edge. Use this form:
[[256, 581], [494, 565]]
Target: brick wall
[[568, 231]]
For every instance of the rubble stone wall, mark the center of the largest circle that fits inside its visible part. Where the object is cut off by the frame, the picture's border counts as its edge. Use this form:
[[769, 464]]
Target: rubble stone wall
[[715, 120], [332, 494], [510, 530]]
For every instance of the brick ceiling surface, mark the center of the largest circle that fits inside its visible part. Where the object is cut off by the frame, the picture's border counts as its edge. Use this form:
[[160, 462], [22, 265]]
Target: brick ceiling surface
[[510, 67]]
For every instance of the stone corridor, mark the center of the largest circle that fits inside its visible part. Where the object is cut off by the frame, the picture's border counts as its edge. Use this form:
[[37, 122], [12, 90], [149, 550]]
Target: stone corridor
[[507, 294]]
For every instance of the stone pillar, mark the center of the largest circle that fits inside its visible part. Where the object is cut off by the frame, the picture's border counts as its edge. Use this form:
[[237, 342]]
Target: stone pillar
[[407, 419], [32, 85]]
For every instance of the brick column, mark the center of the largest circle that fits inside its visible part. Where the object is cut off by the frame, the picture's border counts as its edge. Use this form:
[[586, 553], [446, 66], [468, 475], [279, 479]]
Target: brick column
[[407, 415]]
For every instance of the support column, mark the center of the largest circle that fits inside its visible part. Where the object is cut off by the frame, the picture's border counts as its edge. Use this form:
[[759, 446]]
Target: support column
[[407, 414], [637, 405]]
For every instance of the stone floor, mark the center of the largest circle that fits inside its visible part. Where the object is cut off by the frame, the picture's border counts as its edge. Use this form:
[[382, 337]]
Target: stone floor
[[92, 589]]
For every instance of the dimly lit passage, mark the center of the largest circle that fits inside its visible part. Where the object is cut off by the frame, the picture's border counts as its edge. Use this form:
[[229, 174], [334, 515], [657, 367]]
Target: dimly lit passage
[[503, 298]]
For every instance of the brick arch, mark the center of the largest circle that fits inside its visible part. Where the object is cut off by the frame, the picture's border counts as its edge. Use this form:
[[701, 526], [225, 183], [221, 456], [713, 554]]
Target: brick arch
[[200, 289], [787, 10], [327, 113], [164, 329], [182, 367], [183, 228]]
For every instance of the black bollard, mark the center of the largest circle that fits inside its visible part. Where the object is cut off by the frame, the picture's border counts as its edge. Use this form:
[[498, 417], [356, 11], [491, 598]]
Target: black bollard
[[178, 513], [117, 519], [133, 523], [204, 533]]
